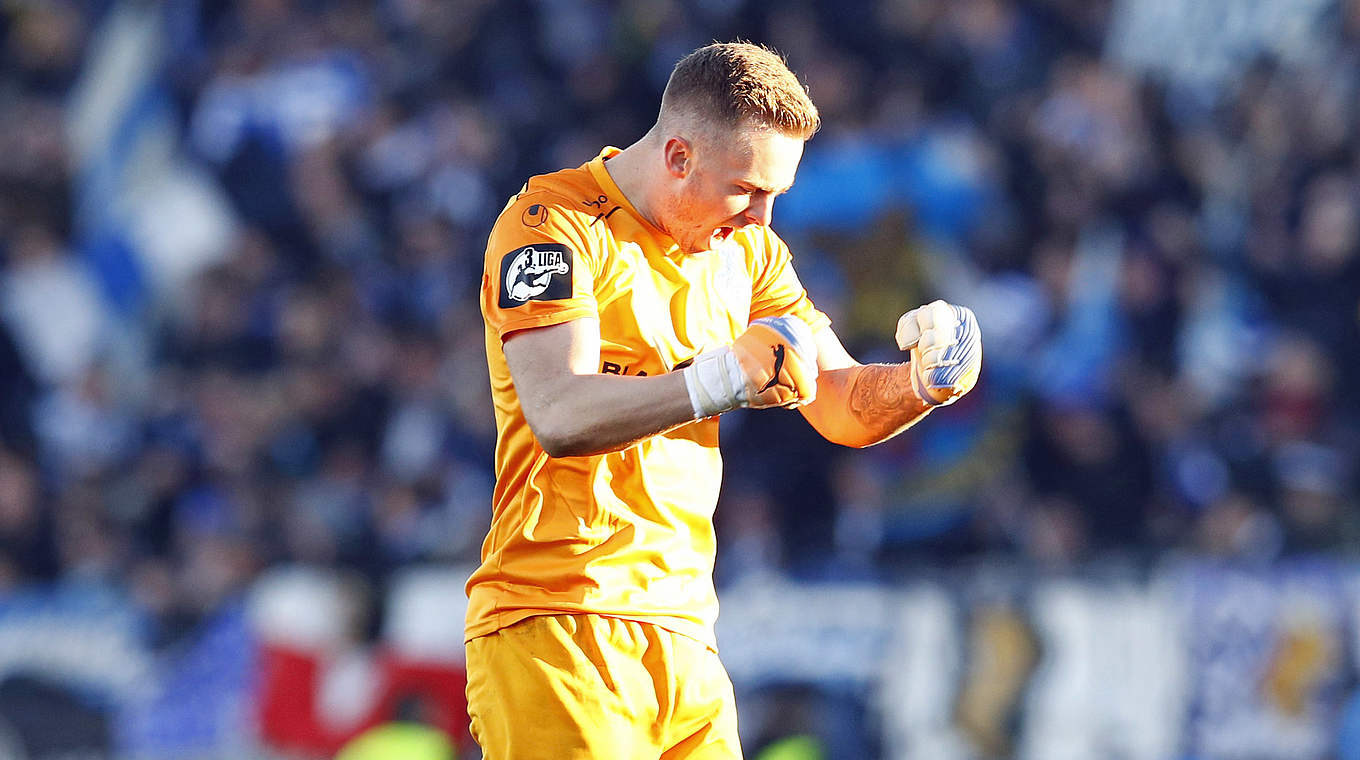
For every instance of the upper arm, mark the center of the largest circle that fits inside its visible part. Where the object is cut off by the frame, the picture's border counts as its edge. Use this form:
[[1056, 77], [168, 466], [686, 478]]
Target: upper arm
[[543, 360], [574, 409]]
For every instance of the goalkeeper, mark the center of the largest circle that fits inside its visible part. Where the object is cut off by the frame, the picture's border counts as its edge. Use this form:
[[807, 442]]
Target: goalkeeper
[[629, 302]]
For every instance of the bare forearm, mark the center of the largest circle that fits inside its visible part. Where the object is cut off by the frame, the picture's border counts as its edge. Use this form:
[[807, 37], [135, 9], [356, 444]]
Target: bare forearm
[[865, 404], [595, 414]]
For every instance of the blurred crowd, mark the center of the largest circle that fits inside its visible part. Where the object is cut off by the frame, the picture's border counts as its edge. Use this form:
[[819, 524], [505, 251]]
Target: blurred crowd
[[1166, 277]]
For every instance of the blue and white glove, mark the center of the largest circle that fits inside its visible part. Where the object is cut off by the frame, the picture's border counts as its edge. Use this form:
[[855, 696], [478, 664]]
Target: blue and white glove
[[946, 350]]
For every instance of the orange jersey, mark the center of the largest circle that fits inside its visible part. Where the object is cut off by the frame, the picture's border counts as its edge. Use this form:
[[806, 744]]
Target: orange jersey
[[629, 533]]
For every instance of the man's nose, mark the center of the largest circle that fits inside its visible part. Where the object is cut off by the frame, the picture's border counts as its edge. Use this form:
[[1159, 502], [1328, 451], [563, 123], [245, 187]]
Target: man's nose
[[761, 209]]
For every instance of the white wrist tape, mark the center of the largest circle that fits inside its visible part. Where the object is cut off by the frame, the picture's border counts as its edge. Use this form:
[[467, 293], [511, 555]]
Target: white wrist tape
[[715, 383]]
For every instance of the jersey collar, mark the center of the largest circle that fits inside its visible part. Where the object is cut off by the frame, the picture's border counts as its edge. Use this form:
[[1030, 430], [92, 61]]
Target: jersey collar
[[606, 182]]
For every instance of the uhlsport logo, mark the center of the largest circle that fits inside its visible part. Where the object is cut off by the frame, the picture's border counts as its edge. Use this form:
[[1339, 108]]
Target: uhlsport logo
[[534, 215], [538, 272]]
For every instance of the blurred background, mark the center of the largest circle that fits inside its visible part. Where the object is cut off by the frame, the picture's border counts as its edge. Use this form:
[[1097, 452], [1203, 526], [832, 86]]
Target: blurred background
[[245, 426]]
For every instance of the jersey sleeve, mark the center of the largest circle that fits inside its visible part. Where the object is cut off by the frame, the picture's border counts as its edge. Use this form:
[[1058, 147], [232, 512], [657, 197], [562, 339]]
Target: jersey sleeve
[[775, 288], [540, 266]]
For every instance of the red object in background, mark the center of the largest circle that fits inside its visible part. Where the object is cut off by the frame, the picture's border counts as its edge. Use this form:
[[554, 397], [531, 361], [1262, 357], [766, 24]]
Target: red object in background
[[290, 711]]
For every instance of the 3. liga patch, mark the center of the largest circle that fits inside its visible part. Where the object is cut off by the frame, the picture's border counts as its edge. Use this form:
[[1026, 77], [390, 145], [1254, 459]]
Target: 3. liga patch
[[538, 272]]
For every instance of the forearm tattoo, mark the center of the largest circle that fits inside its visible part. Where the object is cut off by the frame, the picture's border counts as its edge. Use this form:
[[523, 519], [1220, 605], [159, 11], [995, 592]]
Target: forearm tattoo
[[882, 399]]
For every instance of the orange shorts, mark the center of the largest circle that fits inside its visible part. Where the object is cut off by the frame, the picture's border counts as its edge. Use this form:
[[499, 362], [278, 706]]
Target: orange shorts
[[572, 687]]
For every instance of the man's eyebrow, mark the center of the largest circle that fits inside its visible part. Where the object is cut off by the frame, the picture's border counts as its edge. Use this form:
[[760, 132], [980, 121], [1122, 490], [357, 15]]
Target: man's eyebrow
[[756, 186]]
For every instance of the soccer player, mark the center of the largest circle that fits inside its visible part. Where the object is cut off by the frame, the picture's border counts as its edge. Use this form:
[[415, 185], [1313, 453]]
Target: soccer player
[[628, 303]]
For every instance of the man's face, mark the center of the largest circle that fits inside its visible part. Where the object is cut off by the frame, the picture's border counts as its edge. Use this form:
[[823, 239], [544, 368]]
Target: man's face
[[728, 184]]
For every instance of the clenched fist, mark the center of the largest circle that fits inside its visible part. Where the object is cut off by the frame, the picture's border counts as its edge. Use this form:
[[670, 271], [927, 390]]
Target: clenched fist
[[946, 350], [773, 363]]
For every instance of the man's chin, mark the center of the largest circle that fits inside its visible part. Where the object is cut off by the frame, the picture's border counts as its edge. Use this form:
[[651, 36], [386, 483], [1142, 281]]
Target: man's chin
[[715, 240]]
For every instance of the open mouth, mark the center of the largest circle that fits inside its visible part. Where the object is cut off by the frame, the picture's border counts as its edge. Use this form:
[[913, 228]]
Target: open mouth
[[722, 234]]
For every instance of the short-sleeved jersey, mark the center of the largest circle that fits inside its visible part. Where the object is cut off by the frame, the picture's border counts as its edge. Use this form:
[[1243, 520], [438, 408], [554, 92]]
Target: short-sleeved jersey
[[628, 533]]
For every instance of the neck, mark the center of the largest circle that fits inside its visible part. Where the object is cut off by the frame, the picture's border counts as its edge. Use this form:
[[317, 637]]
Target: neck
[[628, 169]]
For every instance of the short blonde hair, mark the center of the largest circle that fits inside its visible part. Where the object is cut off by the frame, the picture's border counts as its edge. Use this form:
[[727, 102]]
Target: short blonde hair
[[732, 83]]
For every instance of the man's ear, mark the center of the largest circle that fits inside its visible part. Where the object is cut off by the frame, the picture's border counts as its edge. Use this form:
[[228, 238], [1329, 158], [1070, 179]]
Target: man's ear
[[678, 154]]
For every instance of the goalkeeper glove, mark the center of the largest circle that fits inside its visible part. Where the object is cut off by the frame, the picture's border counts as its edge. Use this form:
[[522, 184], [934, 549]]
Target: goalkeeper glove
[[946, 350], [773, 363]]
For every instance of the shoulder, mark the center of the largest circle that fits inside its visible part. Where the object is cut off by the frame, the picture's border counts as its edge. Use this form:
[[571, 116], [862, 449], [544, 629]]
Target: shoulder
[[538, 216], [549, 218], [568, 191], [564, 200], [534, 208]]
